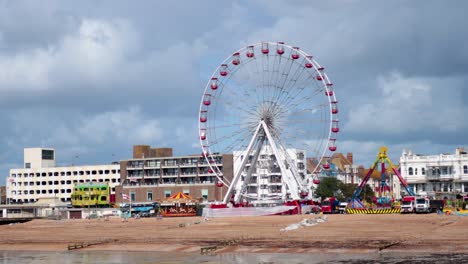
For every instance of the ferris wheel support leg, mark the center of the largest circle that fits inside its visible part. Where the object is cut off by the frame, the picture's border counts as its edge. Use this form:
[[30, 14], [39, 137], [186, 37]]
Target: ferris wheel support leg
[[249, 172], [293, 167], [238, 173], [289, 180]]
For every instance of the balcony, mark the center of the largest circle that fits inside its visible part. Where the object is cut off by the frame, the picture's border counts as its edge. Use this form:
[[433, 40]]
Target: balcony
[[441, 177]]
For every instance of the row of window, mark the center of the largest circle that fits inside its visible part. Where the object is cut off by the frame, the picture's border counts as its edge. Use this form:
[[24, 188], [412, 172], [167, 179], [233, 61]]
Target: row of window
[[55, 191], [415, 172], [168, 172], [13, 201], [184, 180], [170, 162], [435, 171], [61, 182], [440, 187], [66, 173]]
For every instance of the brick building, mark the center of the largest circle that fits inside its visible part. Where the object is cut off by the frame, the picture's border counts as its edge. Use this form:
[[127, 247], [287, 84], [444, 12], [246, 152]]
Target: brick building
[[153, 174]]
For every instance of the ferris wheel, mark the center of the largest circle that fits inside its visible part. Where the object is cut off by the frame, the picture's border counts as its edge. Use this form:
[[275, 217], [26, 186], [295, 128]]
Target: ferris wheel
[[268, 98]]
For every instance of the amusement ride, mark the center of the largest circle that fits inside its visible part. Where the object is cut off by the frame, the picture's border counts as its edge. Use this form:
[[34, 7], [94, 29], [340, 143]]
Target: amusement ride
[[383, 197], [271, 105]]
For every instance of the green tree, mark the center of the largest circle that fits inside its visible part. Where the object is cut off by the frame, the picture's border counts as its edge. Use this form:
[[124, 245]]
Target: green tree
[[367, 194], [347, 190], [329, 186]]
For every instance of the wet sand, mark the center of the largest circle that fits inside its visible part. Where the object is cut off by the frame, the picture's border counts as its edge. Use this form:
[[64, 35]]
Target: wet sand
[[340, 233]]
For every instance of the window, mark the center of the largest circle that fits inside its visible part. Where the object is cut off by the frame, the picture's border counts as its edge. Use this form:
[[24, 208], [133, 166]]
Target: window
[[465, 169], [410, 171], [415, 171], [149, 196], [187, 192], [204, 193], [423, 171], [167, 193], [27, 165], [47, 154], [132, 196]]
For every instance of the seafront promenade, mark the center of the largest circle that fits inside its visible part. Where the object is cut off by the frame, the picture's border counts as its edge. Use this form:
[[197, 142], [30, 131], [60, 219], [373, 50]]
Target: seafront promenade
[[340, 233]]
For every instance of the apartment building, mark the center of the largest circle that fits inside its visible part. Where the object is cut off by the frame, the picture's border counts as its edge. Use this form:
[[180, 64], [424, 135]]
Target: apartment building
[[266, 184], [41, 178], [440, 176], [154, 174]]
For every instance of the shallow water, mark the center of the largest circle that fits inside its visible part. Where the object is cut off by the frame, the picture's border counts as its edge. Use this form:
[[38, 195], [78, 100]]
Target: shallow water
[[107, 257]]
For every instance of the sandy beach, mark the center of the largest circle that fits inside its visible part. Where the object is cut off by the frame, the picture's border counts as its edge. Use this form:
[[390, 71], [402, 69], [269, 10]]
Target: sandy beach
[[340, 233]]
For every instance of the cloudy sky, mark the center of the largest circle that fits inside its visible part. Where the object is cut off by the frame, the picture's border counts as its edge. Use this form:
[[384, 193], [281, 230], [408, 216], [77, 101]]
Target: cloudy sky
[[93, 78]]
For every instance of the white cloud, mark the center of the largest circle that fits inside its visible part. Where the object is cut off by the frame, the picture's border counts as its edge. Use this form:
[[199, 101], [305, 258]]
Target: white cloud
[[405, 105], [119, 126], [94, 53]]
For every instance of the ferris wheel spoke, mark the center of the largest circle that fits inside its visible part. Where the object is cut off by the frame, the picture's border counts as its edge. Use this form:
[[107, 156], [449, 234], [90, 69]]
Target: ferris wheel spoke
[[299, 88]]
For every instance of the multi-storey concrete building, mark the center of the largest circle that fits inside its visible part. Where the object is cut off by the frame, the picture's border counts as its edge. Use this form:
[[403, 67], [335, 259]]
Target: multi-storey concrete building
[[444, 175], [266, 183], [154, 174], [40, 178]]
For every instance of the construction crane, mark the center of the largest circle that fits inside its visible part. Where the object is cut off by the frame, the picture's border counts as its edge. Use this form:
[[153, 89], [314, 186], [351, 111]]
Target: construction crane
[[382, 158]]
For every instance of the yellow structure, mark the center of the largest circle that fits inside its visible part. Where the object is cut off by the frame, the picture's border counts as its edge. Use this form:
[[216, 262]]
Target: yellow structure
[[91, 195]]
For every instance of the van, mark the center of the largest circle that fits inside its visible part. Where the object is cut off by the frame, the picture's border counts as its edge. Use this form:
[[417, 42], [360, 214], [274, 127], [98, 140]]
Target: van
[[342, 207]]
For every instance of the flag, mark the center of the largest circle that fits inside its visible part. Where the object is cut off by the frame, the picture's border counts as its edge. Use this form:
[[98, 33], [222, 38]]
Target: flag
[[125, 196]]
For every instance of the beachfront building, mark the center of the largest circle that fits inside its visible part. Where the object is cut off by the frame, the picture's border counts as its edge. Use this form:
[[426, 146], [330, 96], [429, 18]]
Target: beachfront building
[[266, 184], [41, 178], [154, 174], [440, 176]]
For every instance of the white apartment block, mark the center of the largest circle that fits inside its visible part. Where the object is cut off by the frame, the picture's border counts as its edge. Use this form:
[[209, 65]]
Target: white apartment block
[[444, 175], [40, 178], [266, 182]]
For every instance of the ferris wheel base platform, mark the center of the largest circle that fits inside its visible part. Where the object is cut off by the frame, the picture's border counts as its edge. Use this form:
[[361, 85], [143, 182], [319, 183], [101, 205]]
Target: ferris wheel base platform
[[248, 211]]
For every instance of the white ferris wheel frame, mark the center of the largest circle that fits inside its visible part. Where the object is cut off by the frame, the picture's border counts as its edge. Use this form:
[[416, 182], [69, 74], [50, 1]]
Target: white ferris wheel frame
[[294, 184]]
